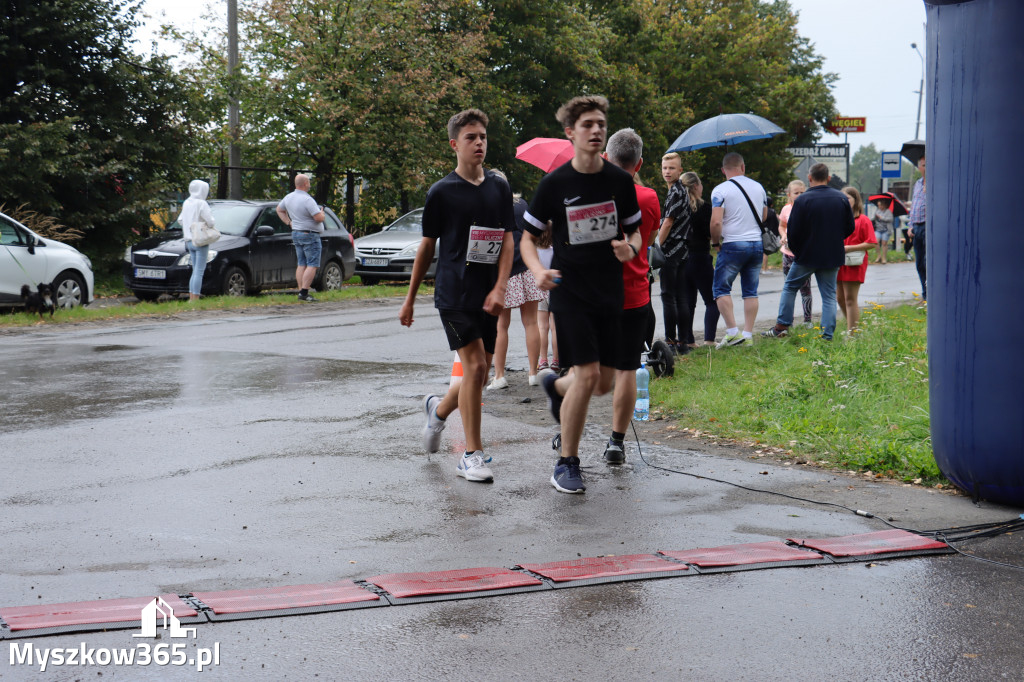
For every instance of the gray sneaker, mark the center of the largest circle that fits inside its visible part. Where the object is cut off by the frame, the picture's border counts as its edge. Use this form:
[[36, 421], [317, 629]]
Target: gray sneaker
[[434, 426]]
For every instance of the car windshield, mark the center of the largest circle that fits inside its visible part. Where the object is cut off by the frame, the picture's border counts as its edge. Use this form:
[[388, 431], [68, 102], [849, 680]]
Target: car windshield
[[229, 218], [410, 222]]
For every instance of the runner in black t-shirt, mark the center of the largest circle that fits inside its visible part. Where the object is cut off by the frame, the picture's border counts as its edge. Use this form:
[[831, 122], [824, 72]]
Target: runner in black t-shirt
[[470, 210], [592, 206]]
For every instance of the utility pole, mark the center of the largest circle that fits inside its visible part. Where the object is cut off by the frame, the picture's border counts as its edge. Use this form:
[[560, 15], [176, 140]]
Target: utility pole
[[920, 94], [234, 154]]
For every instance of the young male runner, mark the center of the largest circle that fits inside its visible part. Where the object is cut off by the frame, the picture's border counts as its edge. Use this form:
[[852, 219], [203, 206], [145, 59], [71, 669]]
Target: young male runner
[[470, 210], [592, 206]]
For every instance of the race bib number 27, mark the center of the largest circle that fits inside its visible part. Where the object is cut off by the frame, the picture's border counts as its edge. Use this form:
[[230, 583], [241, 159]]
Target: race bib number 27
[[484, 244], [592, 223]]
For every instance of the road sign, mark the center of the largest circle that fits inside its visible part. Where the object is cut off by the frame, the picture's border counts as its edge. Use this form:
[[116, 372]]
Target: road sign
[[847, 124], [891, 165]]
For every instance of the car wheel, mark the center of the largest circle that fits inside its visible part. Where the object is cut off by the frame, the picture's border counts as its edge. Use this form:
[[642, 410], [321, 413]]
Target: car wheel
[[235, 282], [331, 276], [69, 289], [661, 360], [368, 281], [146, 295]]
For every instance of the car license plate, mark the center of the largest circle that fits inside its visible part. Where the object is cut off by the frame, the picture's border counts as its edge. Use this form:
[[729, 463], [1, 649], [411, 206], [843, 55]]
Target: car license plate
[[375, 261], [145, 273]]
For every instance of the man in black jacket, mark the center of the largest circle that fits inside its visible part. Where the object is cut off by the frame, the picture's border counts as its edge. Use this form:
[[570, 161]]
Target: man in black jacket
[[820, 220]]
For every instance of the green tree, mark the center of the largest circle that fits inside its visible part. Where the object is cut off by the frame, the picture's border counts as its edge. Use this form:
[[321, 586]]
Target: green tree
[[866, 169], [90, 133], [729, 56]]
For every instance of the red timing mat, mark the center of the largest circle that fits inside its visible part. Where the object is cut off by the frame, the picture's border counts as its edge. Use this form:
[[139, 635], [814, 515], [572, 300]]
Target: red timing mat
[[87, 612], [602, 567], [290, 597], [882, 542], [739, 555], [404, 585]]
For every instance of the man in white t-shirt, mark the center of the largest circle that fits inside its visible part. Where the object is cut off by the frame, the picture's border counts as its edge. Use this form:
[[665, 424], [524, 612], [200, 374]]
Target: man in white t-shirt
[[737, 206]]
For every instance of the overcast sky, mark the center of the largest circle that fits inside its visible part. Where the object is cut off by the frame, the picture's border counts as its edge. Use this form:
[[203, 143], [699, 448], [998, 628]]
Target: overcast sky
[[865, 42]]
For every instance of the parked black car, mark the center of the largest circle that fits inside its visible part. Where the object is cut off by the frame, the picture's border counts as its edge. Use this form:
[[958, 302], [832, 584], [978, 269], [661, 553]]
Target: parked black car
[[254, 252]]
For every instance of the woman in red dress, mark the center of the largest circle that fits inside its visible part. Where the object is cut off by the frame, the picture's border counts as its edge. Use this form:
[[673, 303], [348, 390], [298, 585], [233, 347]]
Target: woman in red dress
[[857, 245]]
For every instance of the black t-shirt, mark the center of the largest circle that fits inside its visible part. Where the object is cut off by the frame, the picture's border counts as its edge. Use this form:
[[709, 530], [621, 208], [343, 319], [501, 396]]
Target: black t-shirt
[[464, 276], [699, 240], [601, 206]]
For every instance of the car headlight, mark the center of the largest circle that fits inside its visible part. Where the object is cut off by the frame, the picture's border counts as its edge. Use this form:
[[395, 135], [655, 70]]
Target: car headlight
[[128, 255], [409, 250], [186, 259]]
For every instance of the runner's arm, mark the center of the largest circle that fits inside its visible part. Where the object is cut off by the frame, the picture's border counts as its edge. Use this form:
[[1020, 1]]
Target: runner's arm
[[424, 256]]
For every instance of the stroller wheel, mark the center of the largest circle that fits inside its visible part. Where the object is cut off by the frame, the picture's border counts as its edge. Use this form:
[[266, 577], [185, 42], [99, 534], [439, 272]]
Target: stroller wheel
[[661, 359]]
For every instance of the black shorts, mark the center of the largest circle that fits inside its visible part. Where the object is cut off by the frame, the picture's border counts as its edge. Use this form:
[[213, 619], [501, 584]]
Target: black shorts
[[588, 335], [635, 322], [464, 327]]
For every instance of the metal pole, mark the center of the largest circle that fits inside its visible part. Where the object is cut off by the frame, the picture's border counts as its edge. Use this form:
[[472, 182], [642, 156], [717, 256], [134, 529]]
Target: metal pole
[[234, 154], [920, 93]]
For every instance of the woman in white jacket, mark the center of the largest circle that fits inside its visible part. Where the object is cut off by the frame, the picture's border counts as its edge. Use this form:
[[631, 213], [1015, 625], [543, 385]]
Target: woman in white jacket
[[195, 209]]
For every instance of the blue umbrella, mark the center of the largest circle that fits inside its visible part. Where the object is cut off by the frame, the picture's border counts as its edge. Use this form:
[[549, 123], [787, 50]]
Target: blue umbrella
[[725, 129]]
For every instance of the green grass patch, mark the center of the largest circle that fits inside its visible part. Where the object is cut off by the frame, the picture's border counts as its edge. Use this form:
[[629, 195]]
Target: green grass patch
[[16, 318], [859, 402]]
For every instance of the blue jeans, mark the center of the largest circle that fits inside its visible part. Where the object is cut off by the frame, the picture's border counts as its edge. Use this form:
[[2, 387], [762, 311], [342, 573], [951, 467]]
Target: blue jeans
[[198, 255], [826, 278], [307, 248], [738, 258]]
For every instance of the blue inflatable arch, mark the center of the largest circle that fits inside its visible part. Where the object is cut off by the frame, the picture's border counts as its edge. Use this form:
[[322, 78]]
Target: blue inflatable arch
[[975, 244]]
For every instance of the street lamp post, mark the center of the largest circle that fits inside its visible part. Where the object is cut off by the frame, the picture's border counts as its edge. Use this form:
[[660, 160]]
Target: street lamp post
[[920, 93]]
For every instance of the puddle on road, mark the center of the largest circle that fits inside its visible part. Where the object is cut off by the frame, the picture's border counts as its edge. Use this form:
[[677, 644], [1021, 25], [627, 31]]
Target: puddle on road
[[73, 382]]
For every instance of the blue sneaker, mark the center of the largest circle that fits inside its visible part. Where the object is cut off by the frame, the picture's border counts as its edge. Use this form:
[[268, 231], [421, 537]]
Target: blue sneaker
[[547, 379], [567, 477]]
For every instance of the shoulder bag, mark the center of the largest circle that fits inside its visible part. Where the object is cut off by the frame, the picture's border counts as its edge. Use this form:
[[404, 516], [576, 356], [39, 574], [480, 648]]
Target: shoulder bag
[[203, 234], [769, 242]]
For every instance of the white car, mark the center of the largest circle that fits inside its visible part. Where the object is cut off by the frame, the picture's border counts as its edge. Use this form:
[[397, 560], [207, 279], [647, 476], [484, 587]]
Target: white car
[[27, 258]]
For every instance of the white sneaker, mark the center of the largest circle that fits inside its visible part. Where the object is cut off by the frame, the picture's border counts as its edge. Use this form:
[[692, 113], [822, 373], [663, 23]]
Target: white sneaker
[[534, 381], [471, 467], [498, 383], [435, 425]]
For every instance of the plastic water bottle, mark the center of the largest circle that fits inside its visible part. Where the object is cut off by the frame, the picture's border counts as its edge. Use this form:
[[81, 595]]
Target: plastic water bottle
[[642, 409]]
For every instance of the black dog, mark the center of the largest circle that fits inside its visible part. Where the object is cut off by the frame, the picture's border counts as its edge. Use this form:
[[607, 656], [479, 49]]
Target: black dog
[[38, 301]]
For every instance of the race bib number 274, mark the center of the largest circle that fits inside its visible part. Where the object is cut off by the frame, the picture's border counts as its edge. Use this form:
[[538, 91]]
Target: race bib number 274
[[592, 223]]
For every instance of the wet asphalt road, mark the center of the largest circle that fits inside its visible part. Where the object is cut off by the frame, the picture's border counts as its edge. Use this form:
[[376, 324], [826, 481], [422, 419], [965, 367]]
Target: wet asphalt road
[[274, 448]]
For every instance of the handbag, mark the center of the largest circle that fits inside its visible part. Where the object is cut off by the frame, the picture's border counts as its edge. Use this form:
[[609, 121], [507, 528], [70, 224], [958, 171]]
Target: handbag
[[855, 258], [655, 256], [770, 242], [203, 234]]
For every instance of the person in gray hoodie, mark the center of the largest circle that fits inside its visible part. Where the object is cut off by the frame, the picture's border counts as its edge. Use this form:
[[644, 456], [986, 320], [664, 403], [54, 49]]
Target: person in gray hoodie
[[195, 209]]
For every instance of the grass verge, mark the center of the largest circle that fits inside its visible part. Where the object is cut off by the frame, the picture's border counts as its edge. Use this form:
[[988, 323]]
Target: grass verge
[[859, 402]]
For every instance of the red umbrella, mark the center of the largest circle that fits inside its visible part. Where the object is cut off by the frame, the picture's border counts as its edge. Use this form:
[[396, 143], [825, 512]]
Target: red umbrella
[[546, 153], [898, 207]]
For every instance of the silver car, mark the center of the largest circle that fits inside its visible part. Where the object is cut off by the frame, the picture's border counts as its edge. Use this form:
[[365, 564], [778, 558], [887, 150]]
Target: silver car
[[389, 254], [27, 258]]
